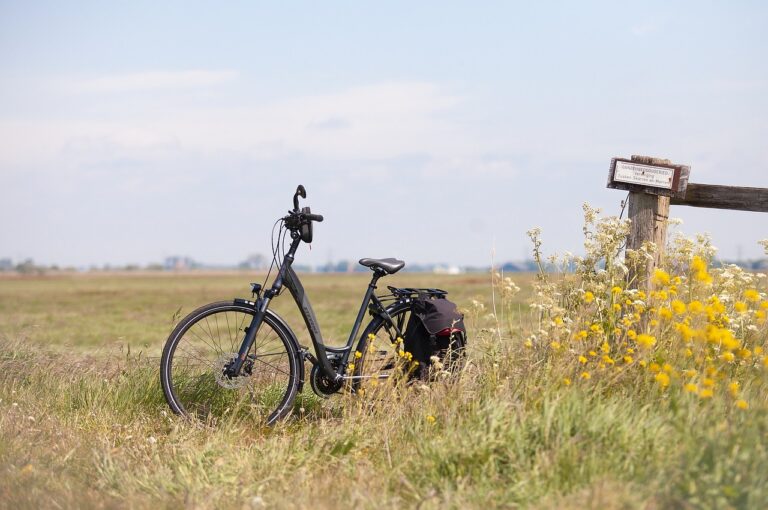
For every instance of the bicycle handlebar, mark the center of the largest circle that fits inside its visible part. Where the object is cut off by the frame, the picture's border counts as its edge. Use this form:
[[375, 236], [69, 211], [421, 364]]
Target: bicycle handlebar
[[314, 217]]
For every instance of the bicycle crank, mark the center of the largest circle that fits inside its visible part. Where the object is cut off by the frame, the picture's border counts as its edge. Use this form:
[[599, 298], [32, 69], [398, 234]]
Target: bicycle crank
[[323, 385]]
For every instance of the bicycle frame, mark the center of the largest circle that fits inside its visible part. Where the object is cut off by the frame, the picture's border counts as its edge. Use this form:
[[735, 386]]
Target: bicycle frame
[[287, 277]]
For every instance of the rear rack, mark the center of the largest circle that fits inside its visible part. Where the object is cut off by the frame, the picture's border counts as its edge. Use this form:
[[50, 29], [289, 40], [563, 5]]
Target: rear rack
[[413, 292]]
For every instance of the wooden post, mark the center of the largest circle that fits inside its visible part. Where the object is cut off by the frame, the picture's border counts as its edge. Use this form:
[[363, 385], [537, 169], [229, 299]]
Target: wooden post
[[649, 215], [724, 197], [653, 184]]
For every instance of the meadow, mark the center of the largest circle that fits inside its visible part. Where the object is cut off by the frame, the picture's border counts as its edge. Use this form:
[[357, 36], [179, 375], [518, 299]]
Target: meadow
[[582, 389]]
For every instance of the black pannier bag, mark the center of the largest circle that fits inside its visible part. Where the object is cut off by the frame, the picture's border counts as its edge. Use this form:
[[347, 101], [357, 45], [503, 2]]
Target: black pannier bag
[[435, 328]]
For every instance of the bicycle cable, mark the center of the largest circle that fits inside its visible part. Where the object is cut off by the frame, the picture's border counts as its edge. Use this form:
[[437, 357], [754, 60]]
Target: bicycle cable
[[274, 251], [281, 250]]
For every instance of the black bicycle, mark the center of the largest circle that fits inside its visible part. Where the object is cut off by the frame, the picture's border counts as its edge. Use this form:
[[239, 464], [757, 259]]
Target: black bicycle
[[234, 357]]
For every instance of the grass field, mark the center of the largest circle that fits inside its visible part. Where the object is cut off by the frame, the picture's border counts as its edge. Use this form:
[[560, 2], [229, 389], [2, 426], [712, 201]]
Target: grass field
[[83, 423]]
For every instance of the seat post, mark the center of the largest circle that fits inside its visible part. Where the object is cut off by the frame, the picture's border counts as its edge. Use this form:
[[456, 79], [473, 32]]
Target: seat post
[[377, 273]]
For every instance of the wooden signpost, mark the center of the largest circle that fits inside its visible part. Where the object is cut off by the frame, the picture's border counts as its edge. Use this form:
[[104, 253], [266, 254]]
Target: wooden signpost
[[654, 183]]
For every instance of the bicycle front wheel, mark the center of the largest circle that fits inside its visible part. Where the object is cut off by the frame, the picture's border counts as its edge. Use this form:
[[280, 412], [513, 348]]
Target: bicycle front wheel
[[204, 343]]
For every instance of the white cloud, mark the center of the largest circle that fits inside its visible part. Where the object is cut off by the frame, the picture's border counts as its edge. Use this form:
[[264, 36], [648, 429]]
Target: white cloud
[[151, 80], [376, 121], [647, 28]]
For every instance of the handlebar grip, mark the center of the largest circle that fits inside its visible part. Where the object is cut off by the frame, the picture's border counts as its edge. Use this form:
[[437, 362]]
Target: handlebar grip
[[314, 217]]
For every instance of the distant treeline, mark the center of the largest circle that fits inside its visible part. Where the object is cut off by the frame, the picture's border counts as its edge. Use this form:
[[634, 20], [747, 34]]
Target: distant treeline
[[259, 263]]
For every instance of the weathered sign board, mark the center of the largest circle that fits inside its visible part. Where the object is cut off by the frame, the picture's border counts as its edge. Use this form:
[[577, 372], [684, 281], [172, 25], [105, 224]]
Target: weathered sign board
[[656, 179]]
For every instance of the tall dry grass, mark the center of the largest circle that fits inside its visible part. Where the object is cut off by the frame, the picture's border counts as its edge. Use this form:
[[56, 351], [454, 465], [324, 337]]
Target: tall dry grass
[[535, 419]]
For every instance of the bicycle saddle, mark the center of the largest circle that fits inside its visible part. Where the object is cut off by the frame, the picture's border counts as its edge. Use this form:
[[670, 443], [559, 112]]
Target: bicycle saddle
[[388, 265]]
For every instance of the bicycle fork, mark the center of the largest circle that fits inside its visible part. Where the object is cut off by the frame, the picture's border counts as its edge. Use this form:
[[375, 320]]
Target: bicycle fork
[[234, 368]]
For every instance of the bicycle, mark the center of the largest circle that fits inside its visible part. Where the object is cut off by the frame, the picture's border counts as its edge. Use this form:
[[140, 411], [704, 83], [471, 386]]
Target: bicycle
[[241, 357]]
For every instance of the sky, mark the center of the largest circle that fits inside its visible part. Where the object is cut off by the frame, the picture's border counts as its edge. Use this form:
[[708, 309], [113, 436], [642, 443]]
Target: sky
[[429, 131]]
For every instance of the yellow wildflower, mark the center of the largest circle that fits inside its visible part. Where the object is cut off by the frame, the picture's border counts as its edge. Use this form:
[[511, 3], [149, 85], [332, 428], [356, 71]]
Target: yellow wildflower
[[616, 290], [665, 313], [555, 345], [709, 383], [662, 379], [660, 277], [727, 357], [691, 388], [742, 404], [752, 295], [588, 297], [358, 354], [655, 368], [646, 341], [740, 306], [706, 393], [733, 388], [583, 360], [616, 307], [431, 419], [528, 343], [605, 347], [585, 375], [698, 264], [678, 307], [757, 350], [566, 381], [628, 359], [695, 307], [558, 321], [581, 335], [607, 359], [685, 331], [704, 277], [630, 350]]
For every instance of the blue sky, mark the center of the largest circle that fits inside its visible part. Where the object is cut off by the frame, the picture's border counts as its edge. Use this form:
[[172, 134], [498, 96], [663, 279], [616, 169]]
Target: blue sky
[[431, 131]]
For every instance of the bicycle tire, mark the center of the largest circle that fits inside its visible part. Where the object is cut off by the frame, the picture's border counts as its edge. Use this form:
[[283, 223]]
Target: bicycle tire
[[191, 367], [386, 351]]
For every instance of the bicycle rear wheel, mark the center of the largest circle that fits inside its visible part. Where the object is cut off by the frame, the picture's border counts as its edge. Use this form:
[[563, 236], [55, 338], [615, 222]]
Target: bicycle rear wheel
[[378, 355], [192, 368]]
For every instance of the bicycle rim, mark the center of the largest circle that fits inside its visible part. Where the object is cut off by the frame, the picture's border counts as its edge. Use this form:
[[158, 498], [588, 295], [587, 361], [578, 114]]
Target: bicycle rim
[[204, 343]]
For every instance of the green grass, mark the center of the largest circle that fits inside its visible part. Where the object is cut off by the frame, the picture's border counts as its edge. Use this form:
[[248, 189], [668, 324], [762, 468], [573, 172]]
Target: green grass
[[83, 423], [109, 312]]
